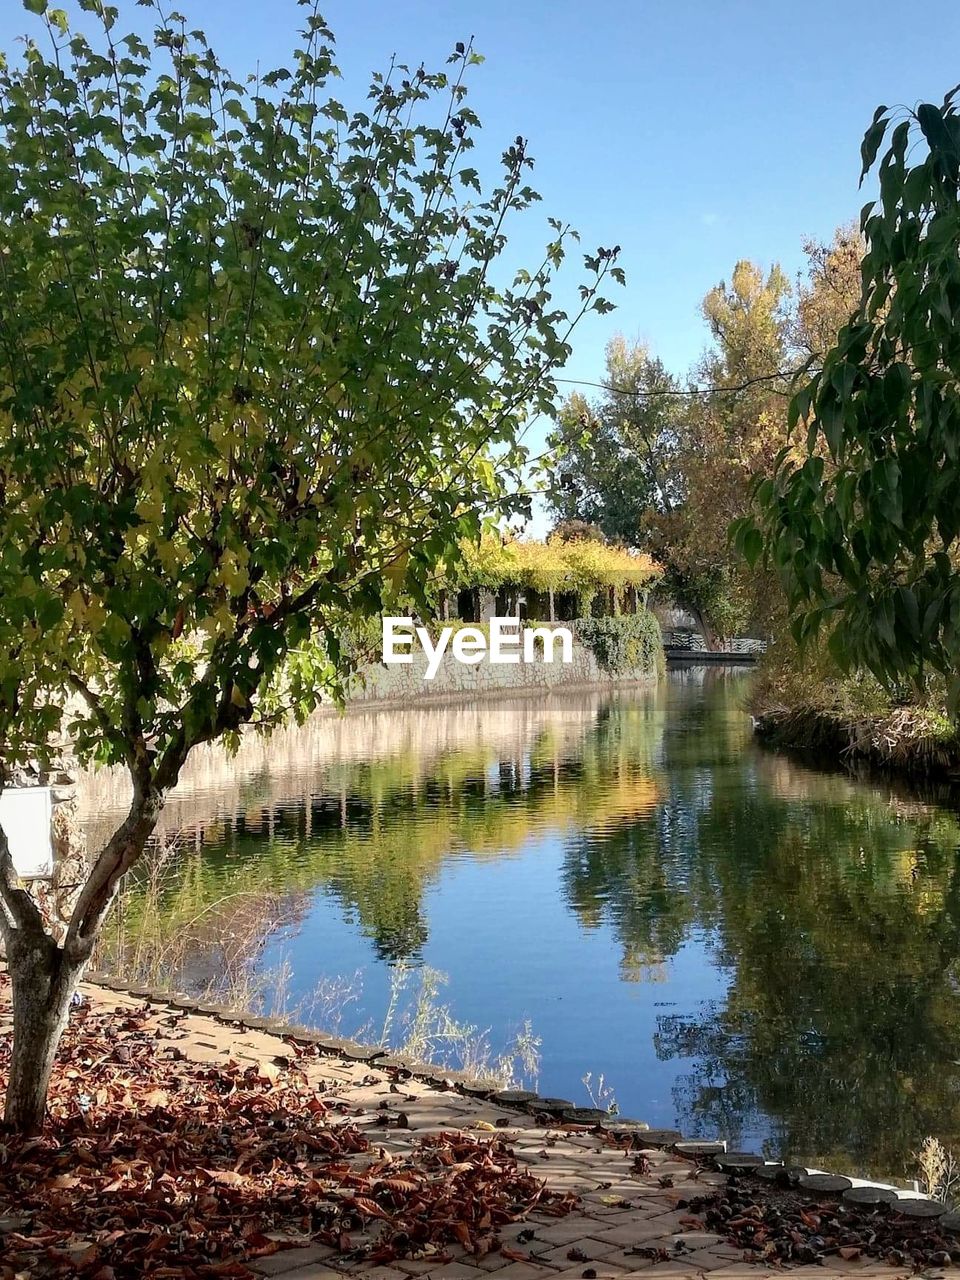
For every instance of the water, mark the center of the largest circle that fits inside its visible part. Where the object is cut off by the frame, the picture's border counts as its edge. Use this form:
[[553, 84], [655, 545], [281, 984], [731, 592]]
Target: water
[[742, 945]]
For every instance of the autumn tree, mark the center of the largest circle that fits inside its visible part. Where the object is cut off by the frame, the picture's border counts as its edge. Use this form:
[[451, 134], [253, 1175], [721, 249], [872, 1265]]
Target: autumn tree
[[766, 332], [668, 465], [731, 425], [259, 371], [828, 293]]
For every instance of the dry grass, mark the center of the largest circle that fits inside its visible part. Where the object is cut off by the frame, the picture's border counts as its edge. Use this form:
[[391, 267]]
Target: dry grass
[[418, 1025], [939, 1171], [157, 939]]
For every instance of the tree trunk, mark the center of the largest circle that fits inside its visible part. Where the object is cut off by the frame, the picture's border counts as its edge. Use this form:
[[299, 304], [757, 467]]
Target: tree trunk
[[709, 635], [44, 981]]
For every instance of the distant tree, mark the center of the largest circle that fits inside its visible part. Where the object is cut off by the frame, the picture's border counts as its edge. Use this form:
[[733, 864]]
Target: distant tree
[[612, 459], [829, 294], [577, 531], [658, 465], [256, 380], [727, 432], [863, 525], [669, 467]]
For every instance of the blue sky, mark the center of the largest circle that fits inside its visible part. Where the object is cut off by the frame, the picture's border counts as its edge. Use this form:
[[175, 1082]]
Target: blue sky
[[691, 132]]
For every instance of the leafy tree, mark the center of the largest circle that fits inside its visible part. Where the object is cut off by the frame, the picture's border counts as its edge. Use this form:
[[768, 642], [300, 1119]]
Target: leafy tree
[[863, 527], [614, 459], [256, 378], [617, 467], [727, 433], [748, 322], [669, 467], [829, 295]]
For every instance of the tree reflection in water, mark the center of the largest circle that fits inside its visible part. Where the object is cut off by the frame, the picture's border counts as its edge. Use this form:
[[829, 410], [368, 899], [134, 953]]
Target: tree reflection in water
[[834, 907], [829, 905]]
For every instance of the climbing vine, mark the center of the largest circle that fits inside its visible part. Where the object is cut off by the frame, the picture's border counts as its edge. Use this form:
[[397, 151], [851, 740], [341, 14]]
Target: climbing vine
[[625, 642]]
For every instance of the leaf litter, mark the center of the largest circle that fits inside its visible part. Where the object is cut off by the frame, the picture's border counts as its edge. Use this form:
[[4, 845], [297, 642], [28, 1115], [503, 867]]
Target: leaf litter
[[153, 1165]]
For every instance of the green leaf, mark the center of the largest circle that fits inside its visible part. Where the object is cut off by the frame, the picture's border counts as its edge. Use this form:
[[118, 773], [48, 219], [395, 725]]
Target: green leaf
[[871, 142], [934, 129], [752, 546]]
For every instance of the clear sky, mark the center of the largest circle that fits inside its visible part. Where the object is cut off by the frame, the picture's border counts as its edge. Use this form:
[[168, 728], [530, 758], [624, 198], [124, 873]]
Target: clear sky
[[691, 132]]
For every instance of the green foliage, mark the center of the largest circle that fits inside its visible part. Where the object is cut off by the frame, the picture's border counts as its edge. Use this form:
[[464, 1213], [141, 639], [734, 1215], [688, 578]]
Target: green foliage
[[255, 372], [624, 642], [614, 460], [863, 527], [665, 466], [801, 700], [260, 372], [710, 592]]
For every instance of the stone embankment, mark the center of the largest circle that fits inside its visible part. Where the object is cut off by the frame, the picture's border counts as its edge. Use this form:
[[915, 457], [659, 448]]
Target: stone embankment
[[456, 680]]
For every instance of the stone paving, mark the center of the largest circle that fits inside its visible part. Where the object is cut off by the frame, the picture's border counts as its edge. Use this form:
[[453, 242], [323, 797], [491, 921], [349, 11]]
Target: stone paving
[[620, 1211]]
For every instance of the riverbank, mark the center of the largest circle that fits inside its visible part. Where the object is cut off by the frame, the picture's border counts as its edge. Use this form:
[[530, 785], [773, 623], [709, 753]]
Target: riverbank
[[907, 740], [803, 703], [390, 1170]]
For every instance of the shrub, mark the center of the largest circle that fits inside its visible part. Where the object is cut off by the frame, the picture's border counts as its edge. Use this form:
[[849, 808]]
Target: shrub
[[624, 642]]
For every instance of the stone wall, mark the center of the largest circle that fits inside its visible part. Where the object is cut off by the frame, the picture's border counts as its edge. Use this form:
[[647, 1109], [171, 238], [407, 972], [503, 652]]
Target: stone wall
[[455, 679]]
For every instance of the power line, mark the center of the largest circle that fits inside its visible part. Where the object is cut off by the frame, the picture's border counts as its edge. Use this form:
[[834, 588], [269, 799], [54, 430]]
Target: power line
[[689, 391]]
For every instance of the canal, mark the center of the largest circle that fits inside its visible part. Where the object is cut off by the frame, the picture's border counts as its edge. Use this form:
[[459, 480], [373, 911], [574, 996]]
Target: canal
[[737, 943]]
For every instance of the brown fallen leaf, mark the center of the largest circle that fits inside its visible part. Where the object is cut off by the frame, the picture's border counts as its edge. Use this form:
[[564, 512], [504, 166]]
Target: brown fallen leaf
[[226, 1177], [516, 1255], [196, 1169]]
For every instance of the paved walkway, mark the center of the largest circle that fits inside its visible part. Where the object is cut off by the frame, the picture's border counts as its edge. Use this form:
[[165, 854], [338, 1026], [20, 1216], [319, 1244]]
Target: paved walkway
[[628, 1207]]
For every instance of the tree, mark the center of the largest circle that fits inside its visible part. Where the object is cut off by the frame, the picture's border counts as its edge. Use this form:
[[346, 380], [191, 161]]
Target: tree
[[727, 432], [829, 295], [670, 467], [256, 380], [863, 527], [577, 531], [614, 460], [667, 467]]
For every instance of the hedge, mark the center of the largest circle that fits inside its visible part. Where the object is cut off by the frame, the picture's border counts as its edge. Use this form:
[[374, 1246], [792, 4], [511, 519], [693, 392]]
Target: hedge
[[623, 642]]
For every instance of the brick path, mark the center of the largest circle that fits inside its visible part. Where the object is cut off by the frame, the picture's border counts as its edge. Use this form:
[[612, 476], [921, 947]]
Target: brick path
[[620, 1210]]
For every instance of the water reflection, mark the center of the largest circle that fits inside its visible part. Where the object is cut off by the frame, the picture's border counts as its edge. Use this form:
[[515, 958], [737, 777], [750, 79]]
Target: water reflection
[[741, 943]]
